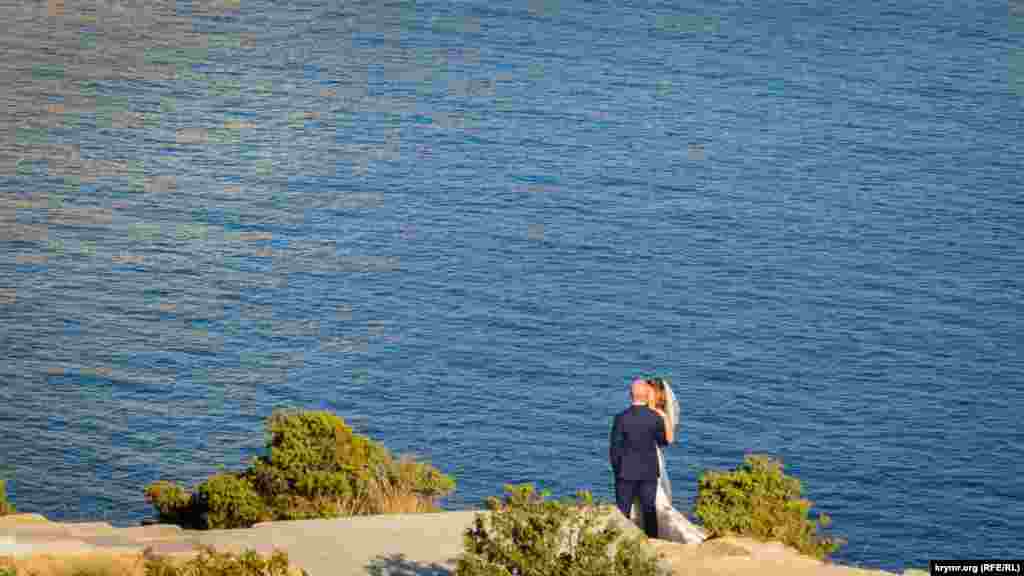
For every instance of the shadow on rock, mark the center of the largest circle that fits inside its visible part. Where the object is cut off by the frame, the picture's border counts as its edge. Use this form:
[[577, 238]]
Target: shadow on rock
[[398, 565]]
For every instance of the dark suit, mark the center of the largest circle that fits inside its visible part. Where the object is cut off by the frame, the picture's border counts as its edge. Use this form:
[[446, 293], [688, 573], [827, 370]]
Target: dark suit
[[636, 433]]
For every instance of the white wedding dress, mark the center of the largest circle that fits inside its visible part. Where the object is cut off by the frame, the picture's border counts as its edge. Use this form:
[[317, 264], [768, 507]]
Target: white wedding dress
[[673, 525]]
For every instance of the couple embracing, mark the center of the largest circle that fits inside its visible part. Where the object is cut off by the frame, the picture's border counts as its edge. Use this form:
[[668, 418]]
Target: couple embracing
[[638, 433]]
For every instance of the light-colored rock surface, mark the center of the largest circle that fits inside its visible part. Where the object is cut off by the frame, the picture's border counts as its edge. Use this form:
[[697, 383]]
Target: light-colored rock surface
[[8, 547], [375, 545], [734, 556], [386, 545], [50, 544], [89, 528], [389, 545]]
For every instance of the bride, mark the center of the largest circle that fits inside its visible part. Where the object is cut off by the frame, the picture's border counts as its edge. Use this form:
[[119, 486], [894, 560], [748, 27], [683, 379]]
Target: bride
[[672, 524]]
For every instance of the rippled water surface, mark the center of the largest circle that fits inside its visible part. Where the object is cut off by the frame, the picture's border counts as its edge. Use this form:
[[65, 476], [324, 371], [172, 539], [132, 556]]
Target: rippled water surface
[[465, 226]]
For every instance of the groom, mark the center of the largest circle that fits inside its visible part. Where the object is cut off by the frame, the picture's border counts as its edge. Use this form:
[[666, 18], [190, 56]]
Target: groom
[[635, 434]]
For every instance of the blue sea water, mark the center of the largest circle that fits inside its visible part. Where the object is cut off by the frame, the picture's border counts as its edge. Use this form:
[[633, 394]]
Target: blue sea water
[[466, 226]]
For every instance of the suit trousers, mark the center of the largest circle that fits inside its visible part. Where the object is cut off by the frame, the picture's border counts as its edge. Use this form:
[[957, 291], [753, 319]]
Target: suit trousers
[[647, 490]]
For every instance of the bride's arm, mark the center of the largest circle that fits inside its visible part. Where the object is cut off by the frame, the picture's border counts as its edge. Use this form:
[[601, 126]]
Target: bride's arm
[[670, 433]]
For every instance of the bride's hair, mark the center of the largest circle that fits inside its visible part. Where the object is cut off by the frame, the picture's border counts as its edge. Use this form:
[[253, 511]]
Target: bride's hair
[[662, 393], [660, 399]]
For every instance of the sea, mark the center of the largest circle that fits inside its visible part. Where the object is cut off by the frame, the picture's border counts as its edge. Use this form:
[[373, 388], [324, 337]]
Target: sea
[[466, 226]]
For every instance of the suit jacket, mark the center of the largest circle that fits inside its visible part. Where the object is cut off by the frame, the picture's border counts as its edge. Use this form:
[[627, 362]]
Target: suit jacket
[[636, 433]]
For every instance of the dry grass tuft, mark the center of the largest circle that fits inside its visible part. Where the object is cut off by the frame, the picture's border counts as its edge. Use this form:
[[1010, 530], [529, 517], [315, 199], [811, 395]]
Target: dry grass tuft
[[397, 495], [390, 493], [83, 564]]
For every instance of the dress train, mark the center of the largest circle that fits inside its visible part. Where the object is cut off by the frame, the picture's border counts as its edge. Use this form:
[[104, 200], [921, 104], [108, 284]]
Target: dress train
[[673, 525]]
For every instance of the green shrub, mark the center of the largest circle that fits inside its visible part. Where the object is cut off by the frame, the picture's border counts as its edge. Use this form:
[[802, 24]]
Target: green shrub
[[314, 461], [209, 562], [757, 499], [8, 571], [5, 506], [315, 466], [228, 501], [527, 535], [172, 502]]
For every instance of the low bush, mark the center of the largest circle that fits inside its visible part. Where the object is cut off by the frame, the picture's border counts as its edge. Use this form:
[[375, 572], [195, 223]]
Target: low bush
[[5, 506], [173, 504], [229, 501], [526, 535], [757, 499], [209, 562], [315, 466]]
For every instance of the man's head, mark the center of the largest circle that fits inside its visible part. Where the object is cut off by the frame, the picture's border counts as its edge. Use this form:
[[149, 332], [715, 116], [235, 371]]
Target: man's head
[[640, 390]]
